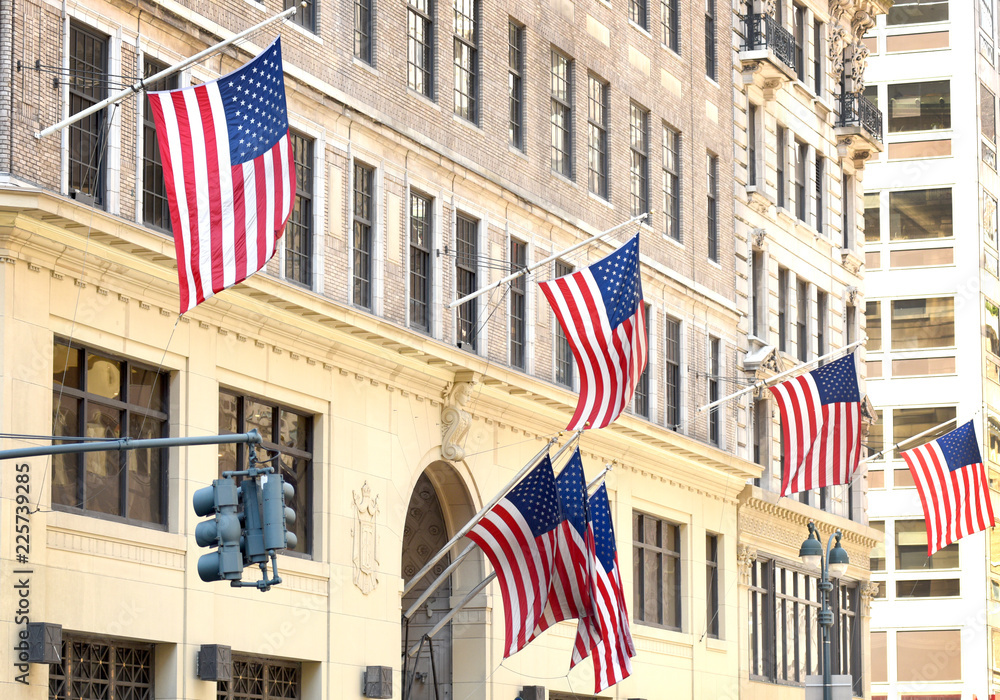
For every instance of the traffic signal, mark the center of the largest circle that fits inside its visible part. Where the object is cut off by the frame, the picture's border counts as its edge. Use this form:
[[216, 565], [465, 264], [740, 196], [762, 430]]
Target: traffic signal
[[223, 531], [278, 517], [252, 542]]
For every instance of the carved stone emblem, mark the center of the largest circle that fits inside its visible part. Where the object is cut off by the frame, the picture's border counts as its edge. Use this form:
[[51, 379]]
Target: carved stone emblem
[[869, 589], [837, 38], [745, 557], [455, 420], [365, 542], [838, 8], [767, 7]]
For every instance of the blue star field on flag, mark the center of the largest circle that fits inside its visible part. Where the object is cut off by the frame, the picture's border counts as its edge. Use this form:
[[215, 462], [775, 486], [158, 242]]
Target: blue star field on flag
[[617, 277], [537, 500], [572, 493], [837, 382], [960, 447], [254, 101], [604, 532]]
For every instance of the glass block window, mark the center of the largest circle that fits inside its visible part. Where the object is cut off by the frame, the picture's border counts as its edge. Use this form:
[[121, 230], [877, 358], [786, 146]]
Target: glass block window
[[299, 230], [285, 430], [363, 242], [155, 211], [99, 395]]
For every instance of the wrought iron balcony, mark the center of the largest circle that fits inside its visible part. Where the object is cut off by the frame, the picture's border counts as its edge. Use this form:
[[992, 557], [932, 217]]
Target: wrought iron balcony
[[763, 32], [857, 110]]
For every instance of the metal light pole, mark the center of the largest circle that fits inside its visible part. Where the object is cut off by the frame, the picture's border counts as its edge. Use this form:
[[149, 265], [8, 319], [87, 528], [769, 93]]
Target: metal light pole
[[831, 562]]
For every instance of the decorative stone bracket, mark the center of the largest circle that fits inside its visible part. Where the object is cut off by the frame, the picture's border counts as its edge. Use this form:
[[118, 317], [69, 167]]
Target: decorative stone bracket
[[455, 419]]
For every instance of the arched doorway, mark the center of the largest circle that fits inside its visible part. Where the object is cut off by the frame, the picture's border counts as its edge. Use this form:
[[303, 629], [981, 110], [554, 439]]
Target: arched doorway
[[424, 533]]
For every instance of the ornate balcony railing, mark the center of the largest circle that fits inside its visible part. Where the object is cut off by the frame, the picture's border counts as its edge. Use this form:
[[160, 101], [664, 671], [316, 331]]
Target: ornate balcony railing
[[763, 32], [857, 110]]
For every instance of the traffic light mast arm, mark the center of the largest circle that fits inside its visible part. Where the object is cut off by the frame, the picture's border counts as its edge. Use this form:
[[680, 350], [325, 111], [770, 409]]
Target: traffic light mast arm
[[251, 438]]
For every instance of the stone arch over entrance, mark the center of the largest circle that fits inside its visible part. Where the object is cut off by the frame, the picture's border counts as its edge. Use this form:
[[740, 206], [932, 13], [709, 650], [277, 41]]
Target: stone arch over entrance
[[439, 505]]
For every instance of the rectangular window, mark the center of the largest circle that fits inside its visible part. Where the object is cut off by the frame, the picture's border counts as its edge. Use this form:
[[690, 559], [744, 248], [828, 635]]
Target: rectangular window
[[466, 261], [672, 182], [714, 382], [299, 231], [919, 106], [847, 211], [641, 403], [752, 114], [155, 212], [916, 215], [466, 59], [926, 656], [564, 353], [923, 323], [799, 34], [105, 669], [819, 199], [420, 46], [711, 206], [364, 218], [758, 308], [597, 135], [362, 30], [99, 395], [670, 13], [656, 557], [710, 60], [284, 429], [987, 113], [873, 218], [782, 309], [638, 13], [781, 146], [822, 311], [761, 432], [917, 12], [802, 321], [639, 169], [712, 585], [672, 373], [562, 114], [421, 263], [88, 80], [515, 84], [518, 305], [801, 162], [873, 320], [261, 678], [305, 16], [818, 59], [936, 588], [908, 422], [880, 662]]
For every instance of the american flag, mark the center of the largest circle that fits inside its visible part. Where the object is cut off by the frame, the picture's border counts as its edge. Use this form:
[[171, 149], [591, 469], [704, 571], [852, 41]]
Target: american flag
[[951, 480], [229, 172], [821, 426], [613, 651], [518, 536], [601, 311], [570, 591]]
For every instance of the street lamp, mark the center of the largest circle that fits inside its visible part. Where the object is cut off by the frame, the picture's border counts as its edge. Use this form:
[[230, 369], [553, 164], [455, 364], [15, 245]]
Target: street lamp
[[833, 564]]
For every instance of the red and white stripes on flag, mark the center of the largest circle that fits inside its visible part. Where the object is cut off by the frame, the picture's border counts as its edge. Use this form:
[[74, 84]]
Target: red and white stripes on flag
[[518, 536], [821, 426], [600, 309], [229, 172], [951, 478]]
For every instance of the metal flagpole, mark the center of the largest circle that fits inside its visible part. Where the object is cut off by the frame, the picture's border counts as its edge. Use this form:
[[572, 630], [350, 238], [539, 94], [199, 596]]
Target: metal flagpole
[[170, 70], [907, 441], [479, 587], [761, 383], [436, 583], [476, 518], [529, 268]]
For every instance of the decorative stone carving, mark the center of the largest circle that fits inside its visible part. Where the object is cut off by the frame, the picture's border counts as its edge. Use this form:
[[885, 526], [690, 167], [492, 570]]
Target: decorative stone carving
[[838, 8], [745, 557], [749, 68], [758, 235], [869, 589], [767, 7], [365, 540], [853, 294], [837, 38], [771, 87], [862, 21], [455, 420], [859, 61]]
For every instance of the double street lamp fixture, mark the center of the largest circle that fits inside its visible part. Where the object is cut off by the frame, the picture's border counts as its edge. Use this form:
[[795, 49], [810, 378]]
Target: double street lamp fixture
[[832, 563]]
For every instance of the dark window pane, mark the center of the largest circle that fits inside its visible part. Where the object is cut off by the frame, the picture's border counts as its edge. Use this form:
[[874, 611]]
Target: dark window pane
[[920, 214], [919, 106]]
